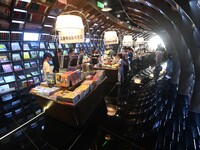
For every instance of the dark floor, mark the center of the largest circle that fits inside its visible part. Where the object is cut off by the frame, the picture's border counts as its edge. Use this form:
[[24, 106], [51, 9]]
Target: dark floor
[[149, 116]]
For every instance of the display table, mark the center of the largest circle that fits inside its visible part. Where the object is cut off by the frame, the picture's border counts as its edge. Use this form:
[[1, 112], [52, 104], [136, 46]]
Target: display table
[[75, 116], [112, 75]]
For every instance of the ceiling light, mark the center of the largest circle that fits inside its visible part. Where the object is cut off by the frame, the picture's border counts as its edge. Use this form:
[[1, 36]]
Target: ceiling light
[[127, 21], [95, 24], [106, 9], [107, 17], [105, 4], [20, 10], [118, 16]]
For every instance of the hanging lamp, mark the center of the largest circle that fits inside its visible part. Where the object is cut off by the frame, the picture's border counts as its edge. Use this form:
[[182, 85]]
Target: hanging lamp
[[70, 28]]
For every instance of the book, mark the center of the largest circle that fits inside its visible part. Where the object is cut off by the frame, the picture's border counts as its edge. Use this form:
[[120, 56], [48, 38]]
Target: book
[[26, 47], [42, 46], [28, 75], [34, 73], [15, 46], [17, 67], [6, 97], [51, 78], [34, 54], [10, 78], [3, 47], [21, 77], [3, 58], [36, 79], [27, 65], [51, 46], [60, 46], [36, 18], [41, 54], [4, 88], [26, 55], [1, 80], [16, 57], [7, 67], [33, 64]]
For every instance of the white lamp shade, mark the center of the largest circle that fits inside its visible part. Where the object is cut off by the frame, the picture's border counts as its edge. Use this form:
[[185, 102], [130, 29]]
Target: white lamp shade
[[140, 40], [110, 37], [69, 22], [71, 29], [128, 41]]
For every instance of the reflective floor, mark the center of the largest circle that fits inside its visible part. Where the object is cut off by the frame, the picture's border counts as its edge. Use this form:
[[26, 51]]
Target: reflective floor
[[148, 116]]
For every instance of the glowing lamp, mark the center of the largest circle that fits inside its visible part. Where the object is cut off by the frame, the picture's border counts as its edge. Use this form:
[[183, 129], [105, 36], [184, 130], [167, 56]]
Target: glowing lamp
[[110, 37], [140, 40], [71, 29], [128, 41]]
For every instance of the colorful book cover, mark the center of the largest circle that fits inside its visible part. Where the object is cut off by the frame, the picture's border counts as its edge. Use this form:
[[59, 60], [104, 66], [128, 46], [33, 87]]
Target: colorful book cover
[[7, 67], [6, 97], [27, 65], [4, 88], [36, 79], [3, 47], [26, 55], [42, 46], [21, 77], [41, 54], [26, 47], [28, 76], [51, 46], [17, 67], [15, 46], [33, 64], [16, 57], [3, 58], [34, 73], [1, 80], [33, 54], [10, 78]]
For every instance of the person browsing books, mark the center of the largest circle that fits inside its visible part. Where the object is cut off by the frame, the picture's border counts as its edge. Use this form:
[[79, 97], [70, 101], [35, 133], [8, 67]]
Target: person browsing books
[[46, 66]]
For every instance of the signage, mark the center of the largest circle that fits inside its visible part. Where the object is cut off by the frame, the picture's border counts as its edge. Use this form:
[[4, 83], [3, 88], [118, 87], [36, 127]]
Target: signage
[[100, 5], [71, 36]]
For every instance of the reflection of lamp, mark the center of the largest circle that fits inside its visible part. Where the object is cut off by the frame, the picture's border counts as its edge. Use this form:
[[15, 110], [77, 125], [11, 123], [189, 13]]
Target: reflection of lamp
[[110, 37], [127, 41], [71, 29]]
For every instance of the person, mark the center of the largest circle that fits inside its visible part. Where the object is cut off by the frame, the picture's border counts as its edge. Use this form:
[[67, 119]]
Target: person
[[169, 68], [81, 57], [46, 66], [56, 60], [130, 58], [120, 69], [126, 66], [72, 58], [159, 54], [94, 57]]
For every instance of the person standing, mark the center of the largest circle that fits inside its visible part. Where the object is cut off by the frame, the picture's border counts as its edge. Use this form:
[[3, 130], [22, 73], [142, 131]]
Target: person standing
[[46, 66], [120, 69], [80, 57], [94, 57], [56, 60]]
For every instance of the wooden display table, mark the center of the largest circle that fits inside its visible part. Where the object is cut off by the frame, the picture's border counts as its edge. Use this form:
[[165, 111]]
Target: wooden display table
[[75, 116]]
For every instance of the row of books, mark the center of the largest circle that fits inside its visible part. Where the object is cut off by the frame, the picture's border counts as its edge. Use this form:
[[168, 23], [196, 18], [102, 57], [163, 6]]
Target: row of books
[[27, 65], [15, 46]]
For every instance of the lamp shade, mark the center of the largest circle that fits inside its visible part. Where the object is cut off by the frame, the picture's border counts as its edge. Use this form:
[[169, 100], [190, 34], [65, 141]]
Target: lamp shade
[[71, 29], [128, 41], [69, 21], [110, 37], [140, 40]]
